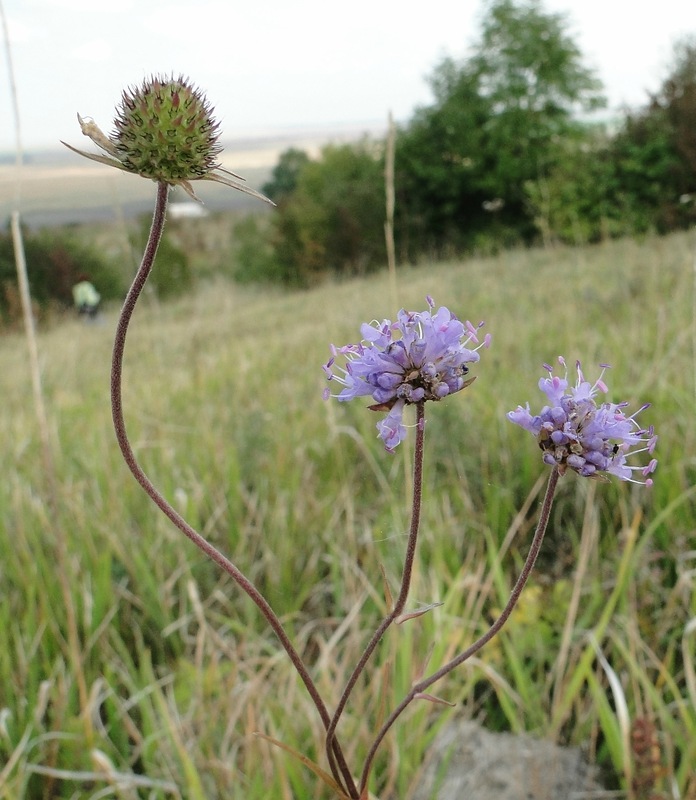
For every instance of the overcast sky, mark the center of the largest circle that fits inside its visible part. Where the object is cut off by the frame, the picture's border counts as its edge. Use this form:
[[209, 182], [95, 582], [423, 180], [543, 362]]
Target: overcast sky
[[275, 64]]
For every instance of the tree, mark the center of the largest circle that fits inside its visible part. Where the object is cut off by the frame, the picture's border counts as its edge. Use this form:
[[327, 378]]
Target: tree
[[678, 98], [285, 174], [55, 262], [642, 178], [501, 118], [532, 75], [571, 204], [332, 222], [654, 152], [438, 167]]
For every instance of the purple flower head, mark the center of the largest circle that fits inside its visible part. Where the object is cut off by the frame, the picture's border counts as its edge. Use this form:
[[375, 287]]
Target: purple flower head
[[576, 432], [422, 356]]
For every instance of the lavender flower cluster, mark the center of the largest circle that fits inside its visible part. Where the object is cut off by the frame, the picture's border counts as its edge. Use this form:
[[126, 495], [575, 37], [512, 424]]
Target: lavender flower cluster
[[575, 432], [422, 356]]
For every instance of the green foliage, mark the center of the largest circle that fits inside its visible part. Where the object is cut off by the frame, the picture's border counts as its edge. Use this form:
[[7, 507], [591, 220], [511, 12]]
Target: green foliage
[[499, 158], [531, 74], [500, 119], [253, 252], [678, 98], [525, 60], [285, 174], [585, 198], [338, 212], [330, 223], [656, 149], [55, 261], [642, 178], [439, 200], [646, 165]]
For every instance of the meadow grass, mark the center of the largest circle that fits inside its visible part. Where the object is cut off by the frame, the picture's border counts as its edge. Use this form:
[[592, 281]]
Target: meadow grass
[[172, 673]]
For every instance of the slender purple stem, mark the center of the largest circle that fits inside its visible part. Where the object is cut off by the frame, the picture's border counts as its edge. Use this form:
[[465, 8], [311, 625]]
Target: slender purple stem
[[420, 687], [405, 579], [224, 563]]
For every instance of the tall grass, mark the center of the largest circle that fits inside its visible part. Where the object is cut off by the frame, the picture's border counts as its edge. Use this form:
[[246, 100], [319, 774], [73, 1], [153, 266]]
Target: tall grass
[[223, 400]]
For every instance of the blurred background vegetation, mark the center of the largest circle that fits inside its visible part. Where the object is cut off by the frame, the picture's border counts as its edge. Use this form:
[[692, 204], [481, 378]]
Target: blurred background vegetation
[[514, 150], [509, 153]]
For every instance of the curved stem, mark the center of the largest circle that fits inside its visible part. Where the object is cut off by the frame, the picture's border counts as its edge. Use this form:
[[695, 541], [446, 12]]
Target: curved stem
[[405, 579], [213, 553], [420, 687]]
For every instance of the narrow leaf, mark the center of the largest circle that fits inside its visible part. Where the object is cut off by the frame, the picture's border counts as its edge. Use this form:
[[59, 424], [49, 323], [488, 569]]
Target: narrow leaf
[[418, 612], [387, 591], [315, 768], [432, 699]]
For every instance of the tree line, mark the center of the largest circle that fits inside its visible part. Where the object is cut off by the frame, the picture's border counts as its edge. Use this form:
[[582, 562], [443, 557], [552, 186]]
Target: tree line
[[508, 153]]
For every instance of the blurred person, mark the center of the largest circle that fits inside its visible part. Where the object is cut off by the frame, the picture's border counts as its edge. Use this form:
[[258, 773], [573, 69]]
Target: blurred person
[[86, 297]]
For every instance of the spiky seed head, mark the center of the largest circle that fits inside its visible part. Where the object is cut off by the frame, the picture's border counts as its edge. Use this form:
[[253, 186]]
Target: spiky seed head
[[165, 130]]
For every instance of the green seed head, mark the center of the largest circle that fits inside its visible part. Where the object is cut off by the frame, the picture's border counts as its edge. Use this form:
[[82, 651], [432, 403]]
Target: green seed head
[[165, 130]]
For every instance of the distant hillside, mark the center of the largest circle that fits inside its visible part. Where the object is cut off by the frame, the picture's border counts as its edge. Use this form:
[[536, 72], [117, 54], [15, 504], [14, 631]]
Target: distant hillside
[[60, 188]]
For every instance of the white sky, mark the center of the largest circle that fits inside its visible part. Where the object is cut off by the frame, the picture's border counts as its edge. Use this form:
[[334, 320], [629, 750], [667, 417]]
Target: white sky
[[275, 64]]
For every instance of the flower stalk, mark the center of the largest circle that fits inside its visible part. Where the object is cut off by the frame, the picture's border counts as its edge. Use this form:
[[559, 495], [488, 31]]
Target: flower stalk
[[420, 688], [400, 603], [155, 235]]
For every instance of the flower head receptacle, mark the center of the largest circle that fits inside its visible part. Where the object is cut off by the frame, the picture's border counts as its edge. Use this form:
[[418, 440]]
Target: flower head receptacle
[[576, 432], [422, 356], [164, 130]]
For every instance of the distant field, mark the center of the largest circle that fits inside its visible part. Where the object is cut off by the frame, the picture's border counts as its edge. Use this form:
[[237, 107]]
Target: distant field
[[59, 187], [130, 668]]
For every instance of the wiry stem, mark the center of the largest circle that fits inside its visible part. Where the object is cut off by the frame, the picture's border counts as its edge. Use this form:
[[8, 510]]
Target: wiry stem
[[419, 688], [215, 555], [405, 579]]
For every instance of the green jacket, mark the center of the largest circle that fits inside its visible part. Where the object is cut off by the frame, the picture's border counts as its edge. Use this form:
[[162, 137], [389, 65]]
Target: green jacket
[[85, 295]]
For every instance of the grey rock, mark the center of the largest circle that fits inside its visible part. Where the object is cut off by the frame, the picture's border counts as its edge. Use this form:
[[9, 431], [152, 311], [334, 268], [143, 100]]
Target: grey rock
[[467, 762]]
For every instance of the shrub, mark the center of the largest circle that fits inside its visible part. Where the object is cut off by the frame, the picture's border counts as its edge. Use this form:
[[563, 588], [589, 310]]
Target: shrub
[[55, 260]]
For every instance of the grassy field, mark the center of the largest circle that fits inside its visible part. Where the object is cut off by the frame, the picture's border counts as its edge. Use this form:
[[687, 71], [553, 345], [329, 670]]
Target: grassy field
[[130, 668]]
